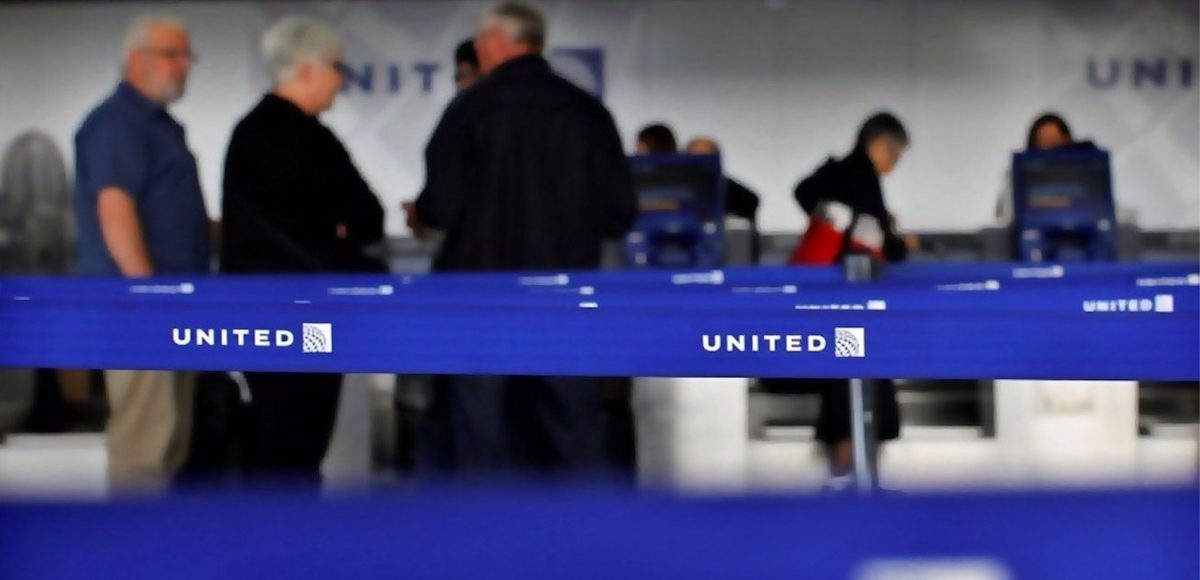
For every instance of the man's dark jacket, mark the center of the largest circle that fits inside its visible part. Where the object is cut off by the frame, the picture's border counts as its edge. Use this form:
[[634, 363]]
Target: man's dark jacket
[[525, 171]]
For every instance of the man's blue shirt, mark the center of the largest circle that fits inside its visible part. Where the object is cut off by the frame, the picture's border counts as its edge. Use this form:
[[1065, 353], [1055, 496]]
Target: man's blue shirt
[[130, 142]]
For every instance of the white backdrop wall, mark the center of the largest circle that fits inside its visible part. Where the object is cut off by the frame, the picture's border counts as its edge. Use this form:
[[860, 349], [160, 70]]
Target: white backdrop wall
[[782, 84]]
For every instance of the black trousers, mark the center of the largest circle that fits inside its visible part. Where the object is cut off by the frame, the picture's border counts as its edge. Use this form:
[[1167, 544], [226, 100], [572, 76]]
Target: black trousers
[[505, 426], [289, 425], [833, 423]]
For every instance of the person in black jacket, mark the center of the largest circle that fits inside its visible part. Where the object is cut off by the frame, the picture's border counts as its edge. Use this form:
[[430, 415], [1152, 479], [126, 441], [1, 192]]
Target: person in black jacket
[[294, 203], [466, 65], [853, 182], [524, 171], [656, 139]]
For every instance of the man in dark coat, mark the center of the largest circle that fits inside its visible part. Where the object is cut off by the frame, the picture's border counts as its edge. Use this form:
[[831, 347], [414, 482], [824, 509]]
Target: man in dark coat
[[525, 171]]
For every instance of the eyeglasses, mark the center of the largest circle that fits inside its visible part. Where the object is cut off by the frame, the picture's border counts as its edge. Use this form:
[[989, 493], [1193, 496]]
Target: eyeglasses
[[172, 53]]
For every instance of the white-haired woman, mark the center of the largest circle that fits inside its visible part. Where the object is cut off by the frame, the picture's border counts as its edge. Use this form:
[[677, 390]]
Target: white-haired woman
[[294, 202]]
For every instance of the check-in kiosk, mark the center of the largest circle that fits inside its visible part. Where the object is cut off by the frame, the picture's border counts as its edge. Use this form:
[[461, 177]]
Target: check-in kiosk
[[1063, 208], [691, 431], [681, 212], [1063, 211]]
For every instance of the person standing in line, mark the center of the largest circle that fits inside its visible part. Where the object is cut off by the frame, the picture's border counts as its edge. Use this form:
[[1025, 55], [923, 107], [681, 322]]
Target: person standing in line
[[294, 202], [140, 212], [525, 171]]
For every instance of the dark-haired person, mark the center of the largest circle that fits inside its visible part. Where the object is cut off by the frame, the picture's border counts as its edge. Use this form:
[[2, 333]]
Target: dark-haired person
[[466, 73], [659, 139], [466, 65], [656, 139], [414, 393], [846, 197], [1049, 131]]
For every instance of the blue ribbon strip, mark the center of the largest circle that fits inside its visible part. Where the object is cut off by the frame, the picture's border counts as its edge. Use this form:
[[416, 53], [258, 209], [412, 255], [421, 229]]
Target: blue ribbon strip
[[1094, 322], [594, 533]]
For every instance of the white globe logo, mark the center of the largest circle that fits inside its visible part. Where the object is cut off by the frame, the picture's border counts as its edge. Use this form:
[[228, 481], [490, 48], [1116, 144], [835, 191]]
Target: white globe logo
[[316, 339], [846, 344]]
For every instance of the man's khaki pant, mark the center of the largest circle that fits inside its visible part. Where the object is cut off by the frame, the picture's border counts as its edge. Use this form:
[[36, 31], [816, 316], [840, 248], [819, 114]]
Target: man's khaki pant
[[149, 427]]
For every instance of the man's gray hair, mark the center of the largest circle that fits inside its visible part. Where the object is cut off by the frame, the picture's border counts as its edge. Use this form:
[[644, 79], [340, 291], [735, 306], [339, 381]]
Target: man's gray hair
[[296, 39], [522, 23], [138, 32]]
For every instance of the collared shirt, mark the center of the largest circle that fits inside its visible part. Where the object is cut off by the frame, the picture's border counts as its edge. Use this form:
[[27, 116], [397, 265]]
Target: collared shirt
[[130, 142]]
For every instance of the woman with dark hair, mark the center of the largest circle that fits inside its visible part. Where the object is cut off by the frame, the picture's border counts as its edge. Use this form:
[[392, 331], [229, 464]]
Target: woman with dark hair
[[844, 199], [656, 139], [1048, 131], [847, 214]]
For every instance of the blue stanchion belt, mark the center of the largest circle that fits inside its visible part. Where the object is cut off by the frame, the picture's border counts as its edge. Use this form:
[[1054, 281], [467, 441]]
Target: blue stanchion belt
[[995, 321], [921, 321], [541, 534]]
